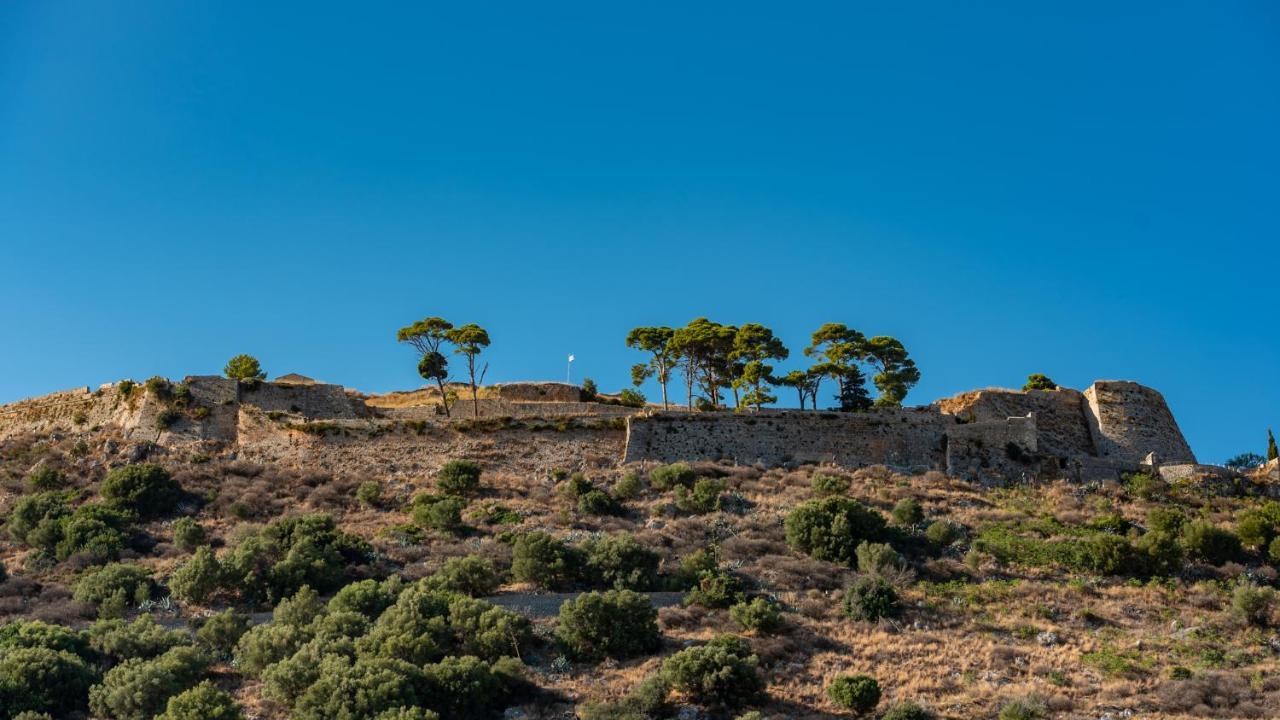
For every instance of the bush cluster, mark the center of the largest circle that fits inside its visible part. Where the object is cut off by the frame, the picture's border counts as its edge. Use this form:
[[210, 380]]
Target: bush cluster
[[438, 512], [703, 497], [758, 614], [274, 562], [831, 528], [827, 485], [870, 598], [722, 673], [45, 521], [617, 623], [140, 689], [588, 497], [386, 650], [188, 534], [666, 477], [115, 587], [146, 490]]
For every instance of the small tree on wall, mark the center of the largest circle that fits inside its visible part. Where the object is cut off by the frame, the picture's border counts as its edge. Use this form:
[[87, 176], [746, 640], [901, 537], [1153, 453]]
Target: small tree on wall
[[753, 346], [1039, 381], [426, 336], [1272, 451], [244, 367], [898, 372], [469, 341]]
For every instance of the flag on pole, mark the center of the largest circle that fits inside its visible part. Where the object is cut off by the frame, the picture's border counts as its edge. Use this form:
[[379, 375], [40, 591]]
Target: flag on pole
[[570, 358]]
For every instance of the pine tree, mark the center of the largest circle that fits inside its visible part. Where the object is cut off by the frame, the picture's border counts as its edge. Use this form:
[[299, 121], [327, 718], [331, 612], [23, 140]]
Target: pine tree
[[1272, 452]]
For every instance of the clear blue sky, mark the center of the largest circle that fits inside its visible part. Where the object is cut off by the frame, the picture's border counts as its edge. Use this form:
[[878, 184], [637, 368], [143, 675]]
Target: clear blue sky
[[1090, 190]]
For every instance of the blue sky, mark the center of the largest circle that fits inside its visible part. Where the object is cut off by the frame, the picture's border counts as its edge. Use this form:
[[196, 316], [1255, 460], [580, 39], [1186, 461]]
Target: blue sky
[[1090, 190]]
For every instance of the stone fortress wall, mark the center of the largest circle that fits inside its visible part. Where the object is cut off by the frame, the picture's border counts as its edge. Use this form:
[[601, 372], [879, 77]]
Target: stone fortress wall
[[1110, 428]]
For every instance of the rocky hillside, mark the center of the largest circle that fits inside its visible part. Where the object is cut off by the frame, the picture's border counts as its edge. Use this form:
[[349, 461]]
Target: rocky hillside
[[512, 568]]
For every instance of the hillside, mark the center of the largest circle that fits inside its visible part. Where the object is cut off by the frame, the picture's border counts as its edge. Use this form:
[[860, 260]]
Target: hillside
[[1046, 595]]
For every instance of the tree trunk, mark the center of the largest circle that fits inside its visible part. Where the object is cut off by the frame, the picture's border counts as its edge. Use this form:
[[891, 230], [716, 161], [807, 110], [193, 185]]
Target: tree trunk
[[444, 398], [800, 392]]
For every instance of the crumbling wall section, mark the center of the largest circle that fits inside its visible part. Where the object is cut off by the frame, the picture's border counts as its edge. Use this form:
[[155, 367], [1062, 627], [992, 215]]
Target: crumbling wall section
[[318, 401], [1061, 426], [1128, 421]]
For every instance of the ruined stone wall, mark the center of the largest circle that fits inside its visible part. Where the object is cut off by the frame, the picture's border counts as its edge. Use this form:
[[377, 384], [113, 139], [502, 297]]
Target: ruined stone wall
[[317, 401], [1128, 421], [538, 392], [463, 409], [907, 438], [1005, 449], [1062, 429]]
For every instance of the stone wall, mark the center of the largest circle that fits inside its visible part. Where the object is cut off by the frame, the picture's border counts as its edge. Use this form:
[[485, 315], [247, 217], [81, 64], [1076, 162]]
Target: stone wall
[[907, 438], [1128, 421], [318, 401], [1062, 430], [463, 409]]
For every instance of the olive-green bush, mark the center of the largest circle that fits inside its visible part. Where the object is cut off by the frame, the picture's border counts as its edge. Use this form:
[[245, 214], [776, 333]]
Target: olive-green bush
[[130, 582], [221, 632], [665, 477], [458, 477], [870, 598], [620, 562], [438, 512], [857, 693], [542, 560], [42, 679], [1205, 541], [758, 614], [703, 497], [830, 529], [45, 477], [116, 640], [202, 702], [907, 711], [617, 623], [199, 578], [715, 589], [188, 534], [144, 489], [468, 575], [826, 485], [140, 689], [291, 552], [367, 597], [722, 673], [908, 512]]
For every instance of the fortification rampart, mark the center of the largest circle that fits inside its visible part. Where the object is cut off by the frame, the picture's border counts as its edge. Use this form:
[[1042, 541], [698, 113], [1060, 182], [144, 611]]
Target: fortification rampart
[[1128, 421]]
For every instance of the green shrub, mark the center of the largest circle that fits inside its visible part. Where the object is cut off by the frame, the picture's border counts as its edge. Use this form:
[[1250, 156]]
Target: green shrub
[[335, 627], [759, 614], [414, 629], [628, 487], [831, 529], [286, 680], [158, 386], [144, 489], [265, 645], [665, 477], [458, 477], [188, 534], [470, 575], [117, 641], [1273, 551], [408, 713], [300, 609], [1168, 520], [1161, 552], [93, 530], [646, 700], [907, 711], [715, 589], [857, 693], [908, 512], [289, 553], [870, 598], [20, 634], [487, 631], [1205, 541], [466, 687], [704, 497], [221, 632], [943, 533], [438, 512], [1030, 708], [129, 581], [1143, 485], [1102, 554], [630, 397], [617, 623], [878, 558], [140, 689], [45, 477], [360, 689], [722, 673], [167, 418], [1252, 604], [575, 486], [367, 597], [202, 702], [620, 562], [30, 511], [370, 493], [494, 513], [1259, 526], [827, 485], [542, 560], [40, 679], [598, 502], [199, 578]]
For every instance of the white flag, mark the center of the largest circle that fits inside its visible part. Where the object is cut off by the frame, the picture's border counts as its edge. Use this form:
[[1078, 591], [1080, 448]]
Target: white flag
[[570, 358]]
